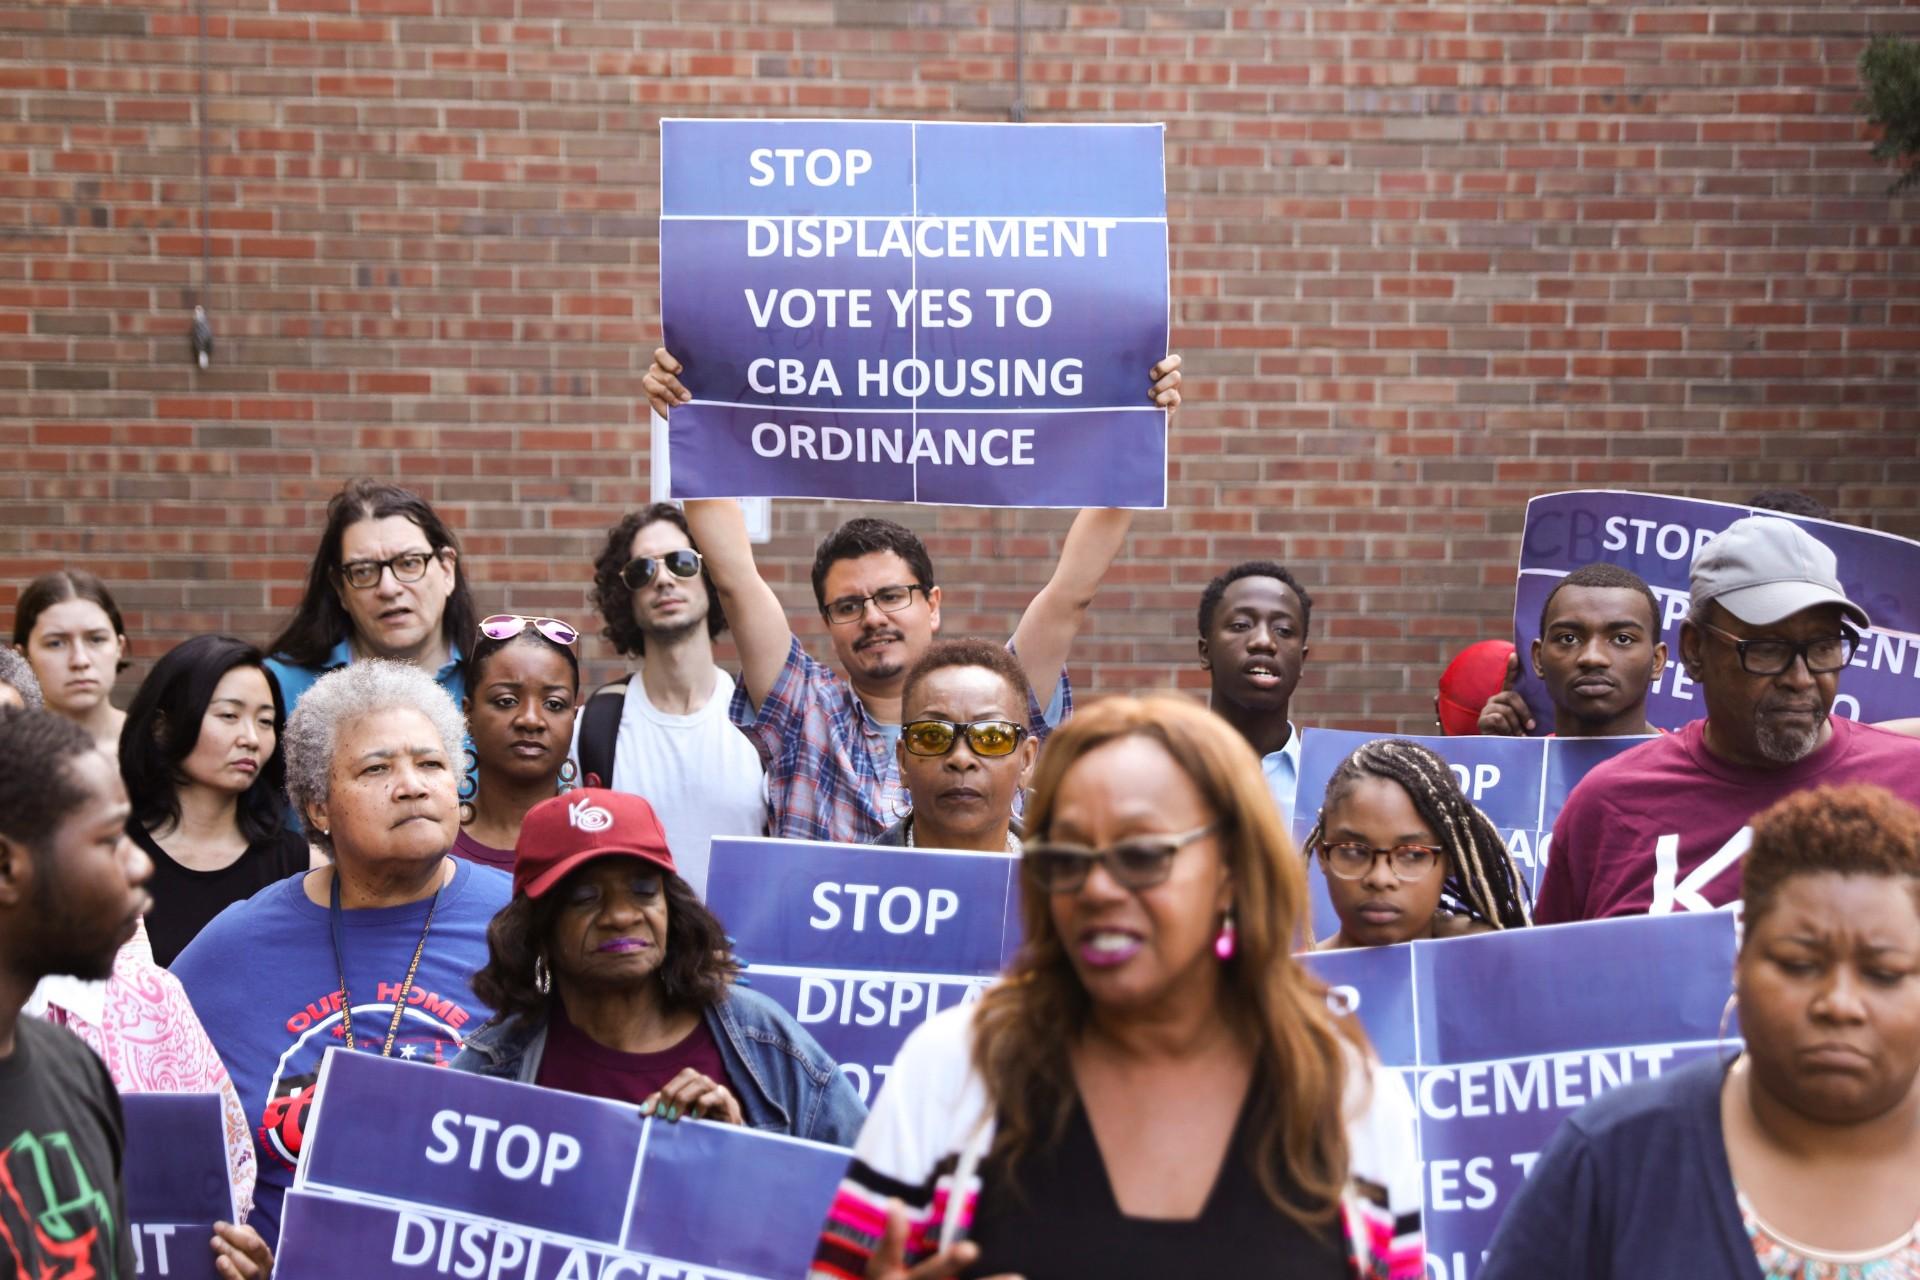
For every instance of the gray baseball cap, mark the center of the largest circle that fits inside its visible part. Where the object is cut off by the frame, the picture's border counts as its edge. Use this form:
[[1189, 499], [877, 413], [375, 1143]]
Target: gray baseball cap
[[1763, 569]]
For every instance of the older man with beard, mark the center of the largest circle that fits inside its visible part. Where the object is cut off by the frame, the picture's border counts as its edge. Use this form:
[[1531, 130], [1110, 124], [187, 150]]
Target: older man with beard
[[1663, 827]]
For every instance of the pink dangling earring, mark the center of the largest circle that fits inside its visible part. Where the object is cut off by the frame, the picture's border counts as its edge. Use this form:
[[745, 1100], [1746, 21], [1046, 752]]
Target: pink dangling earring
[[1223, 941]]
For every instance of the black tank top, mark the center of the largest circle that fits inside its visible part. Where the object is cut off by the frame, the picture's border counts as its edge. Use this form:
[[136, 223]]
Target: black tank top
[[1066, 1225]]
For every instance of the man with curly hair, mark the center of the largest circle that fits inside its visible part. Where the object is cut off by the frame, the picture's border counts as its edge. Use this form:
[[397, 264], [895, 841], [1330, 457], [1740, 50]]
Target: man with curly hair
[[663, 732]]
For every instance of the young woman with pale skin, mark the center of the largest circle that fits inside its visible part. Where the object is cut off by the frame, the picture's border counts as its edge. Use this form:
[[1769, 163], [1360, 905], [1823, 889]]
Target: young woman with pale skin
[[201, 759], [69, 629]]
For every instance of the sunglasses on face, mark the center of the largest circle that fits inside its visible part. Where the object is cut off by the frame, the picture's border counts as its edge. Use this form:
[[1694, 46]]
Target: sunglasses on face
[[988, 738], [681, 563], [1139, 863], [1409, 862], [505, 626], [408, 566]]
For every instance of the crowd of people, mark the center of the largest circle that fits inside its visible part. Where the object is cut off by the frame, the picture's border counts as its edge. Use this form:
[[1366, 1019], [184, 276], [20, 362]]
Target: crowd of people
[[406, 829]]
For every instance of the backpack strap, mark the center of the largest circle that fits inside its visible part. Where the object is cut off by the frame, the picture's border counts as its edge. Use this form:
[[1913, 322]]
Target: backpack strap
[[599, 732]]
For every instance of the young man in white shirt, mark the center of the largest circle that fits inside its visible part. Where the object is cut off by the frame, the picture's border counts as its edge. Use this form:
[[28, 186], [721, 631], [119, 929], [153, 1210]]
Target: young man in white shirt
[[663, 733]]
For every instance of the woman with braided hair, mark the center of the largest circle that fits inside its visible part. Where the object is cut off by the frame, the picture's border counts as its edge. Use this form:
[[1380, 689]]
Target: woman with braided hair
[[1407, 855]]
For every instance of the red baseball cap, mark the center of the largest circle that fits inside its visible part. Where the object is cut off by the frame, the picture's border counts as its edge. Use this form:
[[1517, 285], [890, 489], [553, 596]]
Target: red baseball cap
[[1475, 674], [580, 825]]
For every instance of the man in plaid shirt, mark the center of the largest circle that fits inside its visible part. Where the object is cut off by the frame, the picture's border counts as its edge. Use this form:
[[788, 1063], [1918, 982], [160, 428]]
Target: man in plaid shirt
[[830, 742]]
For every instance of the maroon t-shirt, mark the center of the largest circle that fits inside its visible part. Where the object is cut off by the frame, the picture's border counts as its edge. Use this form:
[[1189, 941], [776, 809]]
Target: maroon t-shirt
[[465, 846], [575, 1062], [1663, 827]]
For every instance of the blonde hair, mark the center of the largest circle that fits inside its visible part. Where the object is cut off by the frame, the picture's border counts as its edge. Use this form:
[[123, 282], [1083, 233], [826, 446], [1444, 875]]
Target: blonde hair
[[1302, 1053]]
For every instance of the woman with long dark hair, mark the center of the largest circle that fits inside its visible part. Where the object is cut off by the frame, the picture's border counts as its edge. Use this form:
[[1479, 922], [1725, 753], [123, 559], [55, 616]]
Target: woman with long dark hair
[[386, 582], [69, 630], [610, 978], [201, 758], [1156, 1087]]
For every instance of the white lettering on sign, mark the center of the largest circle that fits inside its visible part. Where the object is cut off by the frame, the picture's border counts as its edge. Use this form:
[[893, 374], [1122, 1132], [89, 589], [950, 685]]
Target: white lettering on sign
[[1557, 1082], [152, 1236], [1343, 1000], [1668, 541], [899, 909], [928, 237], [1444, 1178], [951, 446], [870, 1002], [1476, 782], [520, 1151], [821, 167]]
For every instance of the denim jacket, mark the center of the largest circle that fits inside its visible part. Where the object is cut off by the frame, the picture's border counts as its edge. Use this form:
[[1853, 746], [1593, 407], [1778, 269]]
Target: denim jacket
[[784, 1080]]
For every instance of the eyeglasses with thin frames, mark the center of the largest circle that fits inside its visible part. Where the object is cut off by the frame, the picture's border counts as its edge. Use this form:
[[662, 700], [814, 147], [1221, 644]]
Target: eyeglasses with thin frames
[[887, 599]]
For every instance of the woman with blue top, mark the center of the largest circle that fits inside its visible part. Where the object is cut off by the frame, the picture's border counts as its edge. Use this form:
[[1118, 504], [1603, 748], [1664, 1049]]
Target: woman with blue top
[[1794, 1160], [613, 980], [394, 922], [387, 582]]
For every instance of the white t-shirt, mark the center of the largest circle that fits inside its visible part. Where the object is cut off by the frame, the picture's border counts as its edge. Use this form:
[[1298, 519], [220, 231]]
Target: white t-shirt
[[701, 775]]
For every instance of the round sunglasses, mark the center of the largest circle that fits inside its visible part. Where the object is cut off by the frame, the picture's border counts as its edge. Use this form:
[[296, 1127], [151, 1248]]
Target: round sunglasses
[[505, 626], [682, 563]]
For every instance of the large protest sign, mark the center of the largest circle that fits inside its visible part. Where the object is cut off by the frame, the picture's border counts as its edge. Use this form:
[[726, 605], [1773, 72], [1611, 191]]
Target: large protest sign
[[1519, 783], [1657, 537], [940, 313], [862, 944], [413, 1171], [1501, 1036], [177, 1180]]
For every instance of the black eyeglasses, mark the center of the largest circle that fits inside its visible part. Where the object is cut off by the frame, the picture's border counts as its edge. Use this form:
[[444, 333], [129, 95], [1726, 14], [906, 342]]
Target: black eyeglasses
[[682, 563], [1139, 863], [408, 566], [1772, 657], [1352, 861], [889, 600], [989, 738]]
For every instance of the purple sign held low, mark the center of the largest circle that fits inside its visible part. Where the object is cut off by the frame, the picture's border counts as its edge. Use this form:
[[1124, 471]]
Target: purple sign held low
[[177, 1180], [895, 311], [863, 944], [1656, 537], [1501, 1036], [412, 1172]]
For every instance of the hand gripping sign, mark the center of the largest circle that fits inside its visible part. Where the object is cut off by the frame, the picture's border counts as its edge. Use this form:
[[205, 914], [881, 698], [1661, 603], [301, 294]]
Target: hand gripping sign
[[413, 1172], [939, 313]]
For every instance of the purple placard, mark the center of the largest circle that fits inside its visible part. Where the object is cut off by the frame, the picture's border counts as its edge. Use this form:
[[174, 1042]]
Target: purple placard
[[177, 1181], [1656, 537], [954, 313]]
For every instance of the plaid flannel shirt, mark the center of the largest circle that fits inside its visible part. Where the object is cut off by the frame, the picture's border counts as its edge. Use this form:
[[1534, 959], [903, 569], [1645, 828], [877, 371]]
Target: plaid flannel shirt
[[831, 770]]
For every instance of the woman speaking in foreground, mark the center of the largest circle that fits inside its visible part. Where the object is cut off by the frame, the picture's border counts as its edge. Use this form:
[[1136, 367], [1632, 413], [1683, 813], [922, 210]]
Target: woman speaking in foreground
[[1798, 1160], [1156, 1088]]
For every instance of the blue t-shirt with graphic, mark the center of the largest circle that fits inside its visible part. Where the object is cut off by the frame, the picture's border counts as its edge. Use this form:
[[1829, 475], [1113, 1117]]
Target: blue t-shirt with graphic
[[263, 979]]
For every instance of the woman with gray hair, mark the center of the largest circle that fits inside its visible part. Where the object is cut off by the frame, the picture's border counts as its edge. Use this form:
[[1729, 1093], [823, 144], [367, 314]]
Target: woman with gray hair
[[18, 687], [373, 953]]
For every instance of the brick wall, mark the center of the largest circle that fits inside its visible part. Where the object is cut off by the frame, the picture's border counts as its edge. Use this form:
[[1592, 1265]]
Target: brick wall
[[1428, 259]]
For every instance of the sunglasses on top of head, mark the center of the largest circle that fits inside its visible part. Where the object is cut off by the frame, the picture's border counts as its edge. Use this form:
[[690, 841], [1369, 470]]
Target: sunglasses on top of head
[[681, 563], [505, 626]]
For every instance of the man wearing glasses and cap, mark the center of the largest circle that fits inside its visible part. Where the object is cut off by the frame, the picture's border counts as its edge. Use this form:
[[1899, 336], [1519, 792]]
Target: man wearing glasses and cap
[[1663, 827]]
